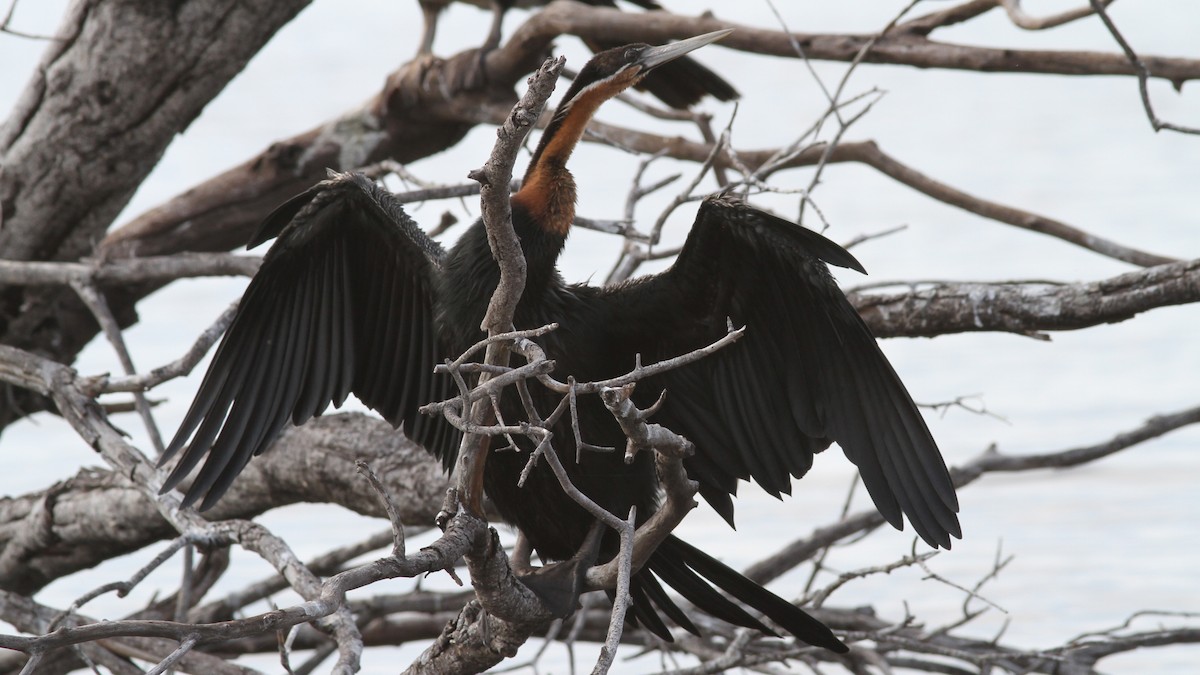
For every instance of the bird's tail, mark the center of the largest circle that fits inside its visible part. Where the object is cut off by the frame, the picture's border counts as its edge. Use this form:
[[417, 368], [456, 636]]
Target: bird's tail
[[693, 573]]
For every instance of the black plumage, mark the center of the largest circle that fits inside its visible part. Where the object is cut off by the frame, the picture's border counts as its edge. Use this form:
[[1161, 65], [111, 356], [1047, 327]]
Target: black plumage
[[353, 297]]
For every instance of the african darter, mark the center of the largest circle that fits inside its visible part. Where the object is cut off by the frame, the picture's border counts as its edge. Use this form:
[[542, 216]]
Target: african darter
[[354, 298]]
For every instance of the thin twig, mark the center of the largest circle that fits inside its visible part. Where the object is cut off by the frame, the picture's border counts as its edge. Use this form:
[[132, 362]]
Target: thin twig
[[104, 384], [164, 665], [389, 506], [94, 299], [1143, 73], [1021, 19], [616, 624]]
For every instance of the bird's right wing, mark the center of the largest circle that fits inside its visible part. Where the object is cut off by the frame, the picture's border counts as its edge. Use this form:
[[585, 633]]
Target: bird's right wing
[[808, 370], [343, 303]]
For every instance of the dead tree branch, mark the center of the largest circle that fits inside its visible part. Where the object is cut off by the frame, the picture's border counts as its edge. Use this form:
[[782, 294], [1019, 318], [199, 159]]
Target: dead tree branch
[[88, 515], [869, 153], [899, 47], [1028, 308], [1022, 19], [1143, 73], [479, 641]]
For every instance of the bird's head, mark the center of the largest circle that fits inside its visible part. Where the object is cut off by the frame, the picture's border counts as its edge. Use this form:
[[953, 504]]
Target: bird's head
[[604, 76], [547, 192], [612, 71]]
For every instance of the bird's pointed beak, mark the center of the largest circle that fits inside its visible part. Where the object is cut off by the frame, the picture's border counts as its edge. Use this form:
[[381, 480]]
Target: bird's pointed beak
[[656, 56]]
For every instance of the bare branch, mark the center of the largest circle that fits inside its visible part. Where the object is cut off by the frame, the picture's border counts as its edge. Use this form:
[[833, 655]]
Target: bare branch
[[103, 384], [1143, 73], [926, 24], [1021, 19], [125, 271], [639, 371], [904, 47], [494, 178], [1029, 308], [31, 617], [389, 504], [84, 520], [869, 153], [518, 611], [680, 491], [91, 296], [616, 624], [6, 26], [329, 598]]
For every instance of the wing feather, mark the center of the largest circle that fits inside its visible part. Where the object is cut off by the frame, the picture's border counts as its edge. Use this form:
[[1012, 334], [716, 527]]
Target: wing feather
[[317, 372], [288, 366], [345, 324], [305, 292], [342, 304], [247, 383], [807, 372]]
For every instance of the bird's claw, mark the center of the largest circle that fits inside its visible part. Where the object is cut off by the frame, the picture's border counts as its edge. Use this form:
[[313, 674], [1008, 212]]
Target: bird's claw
[[559, 585]]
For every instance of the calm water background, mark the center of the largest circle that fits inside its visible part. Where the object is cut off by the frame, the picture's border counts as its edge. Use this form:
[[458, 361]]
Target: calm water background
[[1091, 546]]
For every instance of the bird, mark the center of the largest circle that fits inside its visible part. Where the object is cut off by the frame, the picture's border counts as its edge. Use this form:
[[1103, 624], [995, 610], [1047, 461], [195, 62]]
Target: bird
[[680, 84], [353, 297]]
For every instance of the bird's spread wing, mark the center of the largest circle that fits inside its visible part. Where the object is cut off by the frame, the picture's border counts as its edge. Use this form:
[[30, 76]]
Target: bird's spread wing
[[807, 372], [343, 303]]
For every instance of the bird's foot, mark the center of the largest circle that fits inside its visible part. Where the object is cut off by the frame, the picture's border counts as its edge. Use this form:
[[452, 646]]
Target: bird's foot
[[559, 585]]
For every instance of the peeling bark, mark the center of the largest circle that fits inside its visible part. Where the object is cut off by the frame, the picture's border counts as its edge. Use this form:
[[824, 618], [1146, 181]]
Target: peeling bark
[[1031, 308]]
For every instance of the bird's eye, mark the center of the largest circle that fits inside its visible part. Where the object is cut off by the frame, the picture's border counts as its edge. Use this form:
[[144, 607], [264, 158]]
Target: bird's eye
[[630, 53]]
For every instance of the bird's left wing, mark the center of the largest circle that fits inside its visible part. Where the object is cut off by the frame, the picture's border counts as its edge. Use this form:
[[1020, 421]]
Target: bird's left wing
[[807, 372], [343, 303]]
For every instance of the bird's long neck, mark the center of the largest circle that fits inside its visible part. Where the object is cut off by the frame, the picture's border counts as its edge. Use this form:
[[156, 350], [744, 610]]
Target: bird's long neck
[[547, 193], [542, 212]]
